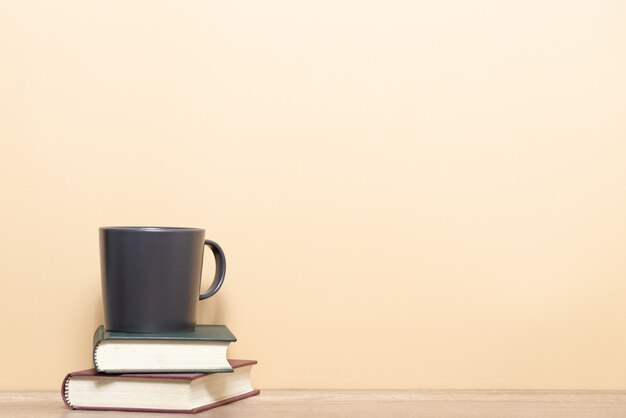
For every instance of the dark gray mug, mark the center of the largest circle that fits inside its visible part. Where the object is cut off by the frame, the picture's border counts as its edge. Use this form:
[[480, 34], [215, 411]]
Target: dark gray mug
[[151, 277]]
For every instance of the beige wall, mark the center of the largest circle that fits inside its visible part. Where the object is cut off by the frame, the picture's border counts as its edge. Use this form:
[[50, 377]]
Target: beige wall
[[410, 194]]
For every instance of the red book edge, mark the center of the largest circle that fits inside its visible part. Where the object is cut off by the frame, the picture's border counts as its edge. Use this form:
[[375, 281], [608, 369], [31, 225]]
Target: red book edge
[[182, 376]]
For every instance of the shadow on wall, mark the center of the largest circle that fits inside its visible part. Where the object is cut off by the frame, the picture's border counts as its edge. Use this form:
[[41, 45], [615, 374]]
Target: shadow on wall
[[98, 311], [212, 310]]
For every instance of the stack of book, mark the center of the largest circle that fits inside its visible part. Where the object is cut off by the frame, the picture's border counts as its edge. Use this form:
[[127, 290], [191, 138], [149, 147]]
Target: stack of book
[[165, 372]]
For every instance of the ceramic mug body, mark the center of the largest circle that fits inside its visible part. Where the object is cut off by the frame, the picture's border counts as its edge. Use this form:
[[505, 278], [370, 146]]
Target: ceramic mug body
[[151, 277]]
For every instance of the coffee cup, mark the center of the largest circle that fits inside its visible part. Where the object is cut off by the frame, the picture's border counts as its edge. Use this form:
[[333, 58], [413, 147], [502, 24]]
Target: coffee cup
[[151, 277]]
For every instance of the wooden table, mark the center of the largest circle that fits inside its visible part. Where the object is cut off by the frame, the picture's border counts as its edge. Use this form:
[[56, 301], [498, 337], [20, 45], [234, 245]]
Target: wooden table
[[358, 404]]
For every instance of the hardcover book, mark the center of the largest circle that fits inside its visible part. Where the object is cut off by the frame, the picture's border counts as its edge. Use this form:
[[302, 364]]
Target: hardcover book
[[202, 350], [159, 392]]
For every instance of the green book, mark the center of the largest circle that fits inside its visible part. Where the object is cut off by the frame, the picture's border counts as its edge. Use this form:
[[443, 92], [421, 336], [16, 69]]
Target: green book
[[203, 350]]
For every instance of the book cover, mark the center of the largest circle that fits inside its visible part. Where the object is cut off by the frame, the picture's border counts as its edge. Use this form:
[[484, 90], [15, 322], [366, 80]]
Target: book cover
[[201, 333]]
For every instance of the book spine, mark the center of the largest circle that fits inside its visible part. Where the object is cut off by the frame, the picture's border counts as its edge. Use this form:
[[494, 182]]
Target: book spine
[[65, 391], [98, 336], [95, 358]]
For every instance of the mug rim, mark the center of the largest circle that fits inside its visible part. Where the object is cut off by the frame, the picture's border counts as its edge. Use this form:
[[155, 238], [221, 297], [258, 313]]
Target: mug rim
[[150, 228]]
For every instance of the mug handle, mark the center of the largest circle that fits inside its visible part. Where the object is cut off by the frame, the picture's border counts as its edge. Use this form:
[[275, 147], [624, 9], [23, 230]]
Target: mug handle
[[220, 269]]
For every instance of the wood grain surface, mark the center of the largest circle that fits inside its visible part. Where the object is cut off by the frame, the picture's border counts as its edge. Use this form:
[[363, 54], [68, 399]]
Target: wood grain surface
[[307, 403]]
